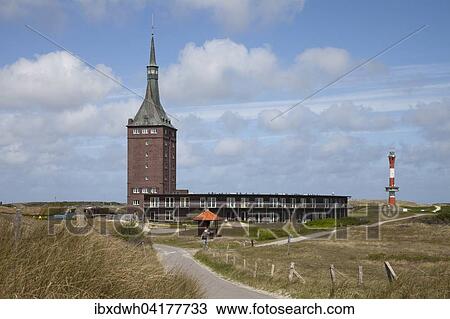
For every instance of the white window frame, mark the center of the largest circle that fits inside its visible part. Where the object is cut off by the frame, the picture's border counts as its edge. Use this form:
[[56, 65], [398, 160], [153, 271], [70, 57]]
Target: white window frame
[[153, 190], [185, 202], [146, 178], [154, 202], [231, 202], [135, 190], [273, 202], [145, 191], [212, 202], [293, 202], [327, 203], [313, 202], [260, 202], [245, 201], [144, 131], [135, 202], [168, 215], [302, 202], [169, 202], [153, 131], [202, 202], [136, 131], [283, 202]]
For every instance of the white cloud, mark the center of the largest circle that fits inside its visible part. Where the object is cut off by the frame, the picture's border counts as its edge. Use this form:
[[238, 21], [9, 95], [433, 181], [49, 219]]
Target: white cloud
[[222, 69], [13, 9], [350, 117], [236, 15], [230, 147], [52, 81]]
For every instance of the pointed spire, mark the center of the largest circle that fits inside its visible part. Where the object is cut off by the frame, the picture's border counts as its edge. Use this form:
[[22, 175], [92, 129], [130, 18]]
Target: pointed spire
[[152, 53]]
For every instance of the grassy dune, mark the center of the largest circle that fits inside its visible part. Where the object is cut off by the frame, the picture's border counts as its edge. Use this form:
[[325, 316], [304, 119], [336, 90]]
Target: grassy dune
[[417, 250], [92, 266]]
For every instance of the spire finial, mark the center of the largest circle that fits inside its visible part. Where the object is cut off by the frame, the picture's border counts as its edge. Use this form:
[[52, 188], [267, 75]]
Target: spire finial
[[153, 25], [152, 46]]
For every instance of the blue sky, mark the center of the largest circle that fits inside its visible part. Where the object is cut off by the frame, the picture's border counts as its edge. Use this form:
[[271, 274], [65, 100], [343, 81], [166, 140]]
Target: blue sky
[[227, 67]]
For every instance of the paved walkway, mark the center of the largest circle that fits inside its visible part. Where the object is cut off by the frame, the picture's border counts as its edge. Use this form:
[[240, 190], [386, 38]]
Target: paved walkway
[[331, 232], [213, 286]]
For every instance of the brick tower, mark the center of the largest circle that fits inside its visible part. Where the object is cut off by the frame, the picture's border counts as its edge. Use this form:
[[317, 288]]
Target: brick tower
[[151, 144]]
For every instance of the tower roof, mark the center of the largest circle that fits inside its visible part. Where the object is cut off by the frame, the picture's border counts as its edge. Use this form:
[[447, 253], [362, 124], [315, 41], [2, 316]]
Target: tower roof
[[151, 111]]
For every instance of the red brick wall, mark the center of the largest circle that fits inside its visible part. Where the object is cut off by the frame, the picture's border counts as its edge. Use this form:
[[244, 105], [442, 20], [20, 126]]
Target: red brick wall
[[161, 171]]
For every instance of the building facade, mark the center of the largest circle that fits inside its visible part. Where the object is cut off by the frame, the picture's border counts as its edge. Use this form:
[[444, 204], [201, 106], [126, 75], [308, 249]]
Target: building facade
[[151, 144], [151, 185], [266, 208]]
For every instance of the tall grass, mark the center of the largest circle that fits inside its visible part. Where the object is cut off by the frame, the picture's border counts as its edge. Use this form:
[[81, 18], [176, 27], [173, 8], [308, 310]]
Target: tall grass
[[92, 266]]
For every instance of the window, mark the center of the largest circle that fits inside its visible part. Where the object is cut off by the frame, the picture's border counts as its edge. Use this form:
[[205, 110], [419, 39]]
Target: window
[[145, 191], [154, 202], [173, 156], [260, 202], [327, 203], [147, 142], [165, 132], [165, 154], [168, 215], [173, 145], [135, 190], [144, 131], [184, 202], [153, 131], [146, 165], [203, 202], [212, 202], [313, 202], [303, 202], [244, 202], [283, 202], [135, 131], [293, 203], [153, 190], [273, 202], [146, 154], [135, 202], [146, 178], [170, 202], [231, 202]]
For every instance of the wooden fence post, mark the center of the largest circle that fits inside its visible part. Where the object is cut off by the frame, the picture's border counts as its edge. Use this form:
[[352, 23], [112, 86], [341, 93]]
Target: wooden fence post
[[332, 274], [17, 226], [360, 275], [390, 272], [256, 269], [291, 271], [272, 270]]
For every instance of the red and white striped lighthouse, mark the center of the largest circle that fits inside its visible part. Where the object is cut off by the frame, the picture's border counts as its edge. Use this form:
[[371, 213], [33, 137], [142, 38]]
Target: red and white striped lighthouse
[[391, 189]]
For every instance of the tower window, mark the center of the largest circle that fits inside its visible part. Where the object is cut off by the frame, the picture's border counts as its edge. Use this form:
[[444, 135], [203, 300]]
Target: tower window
[[153, 131], [136, 131], [135, 190], [146, 178], [147, 142], [145, 191], [146, 154], [136, 203], [146, 165], [144, 131]]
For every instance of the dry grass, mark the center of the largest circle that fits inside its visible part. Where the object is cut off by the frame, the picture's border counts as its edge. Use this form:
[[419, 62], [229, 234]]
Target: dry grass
[[419, 254], [92, 266]]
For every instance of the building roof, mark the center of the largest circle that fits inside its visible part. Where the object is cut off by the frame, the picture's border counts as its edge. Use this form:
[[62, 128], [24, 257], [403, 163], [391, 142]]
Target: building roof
[[206, 215], [151, 112]]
